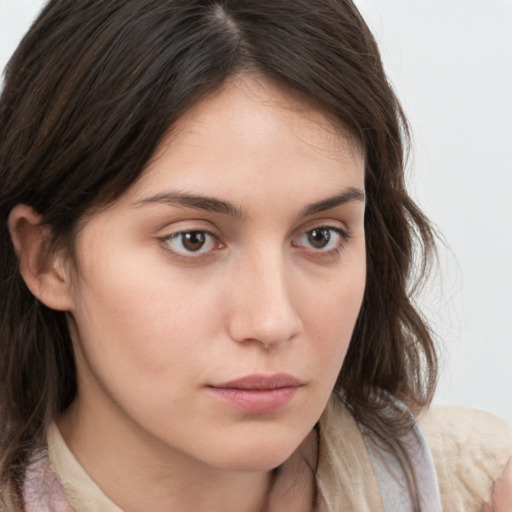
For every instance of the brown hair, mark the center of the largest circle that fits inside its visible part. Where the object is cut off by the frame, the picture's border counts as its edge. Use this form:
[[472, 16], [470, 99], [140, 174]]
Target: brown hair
[[89, 94]]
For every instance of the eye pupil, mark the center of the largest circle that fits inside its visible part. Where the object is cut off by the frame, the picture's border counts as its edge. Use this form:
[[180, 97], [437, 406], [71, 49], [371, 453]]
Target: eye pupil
[[193, 240], [319, 237]]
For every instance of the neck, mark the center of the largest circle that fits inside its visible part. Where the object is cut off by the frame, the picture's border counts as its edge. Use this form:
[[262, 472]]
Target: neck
[[158, 480]]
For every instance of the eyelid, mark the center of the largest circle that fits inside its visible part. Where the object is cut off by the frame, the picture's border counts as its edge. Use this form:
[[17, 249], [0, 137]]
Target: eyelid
[[325, 223], [344, 233], [320, 253], [192, 256]]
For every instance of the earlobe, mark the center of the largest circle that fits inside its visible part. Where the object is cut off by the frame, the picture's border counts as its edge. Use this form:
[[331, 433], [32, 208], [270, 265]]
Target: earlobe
[[43, 271]]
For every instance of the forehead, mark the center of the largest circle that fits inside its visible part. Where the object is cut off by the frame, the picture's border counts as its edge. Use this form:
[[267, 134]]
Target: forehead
[[251, 132]]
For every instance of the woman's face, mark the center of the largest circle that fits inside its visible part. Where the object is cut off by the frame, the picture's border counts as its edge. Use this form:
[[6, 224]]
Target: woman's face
[[214, 302]]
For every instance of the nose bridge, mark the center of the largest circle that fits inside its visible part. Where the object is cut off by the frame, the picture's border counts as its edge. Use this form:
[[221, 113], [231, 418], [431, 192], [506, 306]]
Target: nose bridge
[[263, 309]]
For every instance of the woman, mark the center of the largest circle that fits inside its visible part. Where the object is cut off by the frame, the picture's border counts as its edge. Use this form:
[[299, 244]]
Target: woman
[[207, 247]]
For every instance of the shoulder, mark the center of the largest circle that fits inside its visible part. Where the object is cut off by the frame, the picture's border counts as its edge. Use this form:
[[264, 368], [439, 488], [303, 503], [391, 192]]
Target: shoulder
[[470, 450]]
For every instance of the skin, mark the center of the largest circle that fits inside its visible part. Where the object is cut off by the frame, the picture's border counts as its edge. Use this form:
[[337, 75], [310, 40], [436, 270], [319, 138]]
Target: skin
[[501, 500], [156, 324]]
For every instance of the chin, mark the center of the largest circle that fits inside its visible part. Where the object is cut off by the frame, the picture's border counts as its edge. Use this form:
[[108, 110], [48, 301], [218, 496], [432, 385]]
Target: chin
[[265, 455]]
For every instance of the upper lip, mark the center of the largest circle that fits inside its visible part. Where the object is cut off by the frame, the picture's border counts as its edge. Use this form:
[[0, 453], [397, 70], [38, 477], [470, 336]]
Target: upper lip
[[263, 382]]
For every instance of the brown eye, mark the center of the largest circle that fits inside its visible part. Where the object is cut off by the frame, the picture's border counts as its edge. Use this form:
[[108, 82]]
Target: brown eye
[[191, 242], [319, 238], [194, 240], [322, 239]]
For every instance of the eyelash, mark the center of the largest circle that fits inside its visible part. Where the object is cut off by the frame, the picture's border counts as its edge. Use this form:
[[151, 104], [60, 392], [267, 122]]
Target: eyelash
[[192, 256], [343, 237]]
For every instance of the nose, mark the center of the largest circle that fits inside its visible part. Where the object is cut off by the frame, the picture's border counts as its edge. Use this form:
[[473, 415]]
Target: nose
[[263, 309]]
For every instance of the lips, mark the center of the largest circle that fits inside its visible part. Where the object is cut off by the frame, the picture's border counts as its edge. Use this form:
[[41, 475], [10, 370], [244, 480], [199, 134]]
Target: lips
[[262, 382], [257, 394]]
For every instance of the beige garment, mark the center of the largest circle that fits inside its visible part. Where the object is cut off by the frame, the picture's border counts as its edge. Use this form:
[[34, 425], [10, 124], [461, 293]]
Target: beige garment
[[470, 450], [345, 478], [82, 493]]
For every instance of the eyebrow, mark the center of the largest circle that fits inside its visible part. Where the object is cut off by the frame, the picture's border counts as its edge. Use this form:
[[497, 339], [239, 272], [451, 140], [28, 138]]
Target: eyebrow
[[212, 204], [197, 202], [350, 194]]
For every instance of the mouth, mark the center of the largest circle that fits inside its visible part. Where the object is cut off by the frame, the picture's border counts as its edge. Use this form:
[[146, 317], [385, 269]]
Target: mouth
[[257, 394]]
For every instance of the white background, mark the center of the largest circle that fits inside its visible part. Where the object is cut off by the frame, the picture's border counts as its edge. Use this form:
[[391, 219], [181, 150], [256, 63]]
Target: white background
[[450, 62]]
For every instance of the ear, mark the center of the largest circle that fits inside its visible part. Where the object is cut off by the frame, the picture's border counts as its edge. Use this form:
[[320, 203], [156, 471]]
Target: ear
[[44, 272]]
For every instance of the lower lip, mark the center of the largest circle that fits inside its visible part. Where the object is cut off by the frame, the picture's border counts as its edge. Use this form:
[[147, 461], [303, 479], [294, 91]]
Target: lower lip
[[255, 401]]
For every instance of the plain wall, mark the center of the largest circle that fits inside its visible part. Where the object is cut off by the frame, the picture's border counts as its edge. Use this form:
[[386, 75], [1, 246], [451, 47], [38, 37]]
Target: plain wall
[[450, 62]]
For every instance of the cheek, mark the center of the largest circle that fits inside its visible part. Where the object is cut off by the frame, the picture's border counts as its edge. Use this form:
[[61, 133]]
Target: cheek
[[333, 314], [143, 348], [146, 321], [336, 298]]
